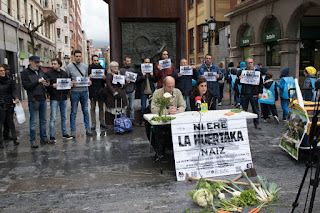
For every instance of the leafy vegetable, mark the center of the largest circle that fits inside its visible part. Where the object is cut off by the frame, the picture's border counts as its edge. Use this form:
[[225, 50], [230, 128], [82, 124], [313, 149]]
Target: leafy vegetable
[[163, 119], [238, 201], [203, 197], [249, 197], [237, 110]]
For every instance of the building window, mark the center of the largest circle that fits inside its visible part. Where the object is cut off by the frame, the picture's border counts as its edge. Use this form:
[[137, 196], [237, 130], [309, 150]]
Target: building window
[[270, 36], [9, 6], [66, 20], [191, 4], [71, 34], [191, 41], [58, 33], [21, 45], [273, 55], [70, 18], [58, 9], [25, 11], [66, 40], [201, 42], [18, 10]]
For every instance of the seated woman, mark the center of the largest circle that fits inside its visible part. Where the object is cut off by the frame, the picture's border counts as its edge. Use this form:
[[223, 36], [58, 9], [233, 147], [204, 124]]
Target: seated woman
[[201, 90], [114, 94]]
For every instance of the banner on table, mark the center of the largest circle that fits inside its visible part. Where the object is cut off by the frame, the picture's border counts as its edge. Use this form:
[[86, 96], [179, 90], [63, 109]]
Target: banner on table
[[97, 73], [118, 79], [210, 76], [63, 83], [83, 81], [213, 147], [165, 63], [186, 70], [131, 76], [250, 77], [147, 68]]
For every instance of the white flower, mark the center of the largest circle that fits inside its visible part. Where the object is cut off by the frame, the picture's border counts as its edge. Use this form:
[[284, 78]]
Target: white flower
[[167, 95]]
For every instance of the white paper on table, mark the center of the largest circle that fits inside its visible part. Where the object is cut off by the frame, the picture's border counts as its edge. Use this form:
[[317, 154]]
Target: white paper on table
[[118, 79], [97, 73], [186, 70], [210, 76], [63, 83], [250, 77], [165, 63], [83, 81], [147, 68], [131, 76]]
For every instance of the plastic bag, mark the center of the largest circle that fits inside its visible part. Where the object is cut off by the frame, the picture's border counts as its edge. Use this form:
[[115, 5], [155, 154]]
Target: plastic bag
[[21, 117]]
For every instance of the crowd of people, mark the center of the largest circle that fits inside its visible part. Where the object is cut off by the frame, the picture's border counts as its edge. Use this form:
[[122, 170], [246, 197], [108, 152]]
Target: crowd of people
[[115, 95]]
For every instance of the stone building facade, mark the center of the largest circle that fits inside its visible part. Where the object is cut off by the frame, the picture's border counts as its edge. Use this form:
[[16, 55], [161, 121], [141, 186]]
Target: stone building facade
[[277, 33]]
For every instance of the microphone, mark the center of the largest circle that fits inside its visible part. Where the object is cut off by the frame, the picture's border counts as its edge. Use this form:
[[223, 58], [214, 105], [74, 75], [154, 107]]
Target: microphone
[[198, 103]]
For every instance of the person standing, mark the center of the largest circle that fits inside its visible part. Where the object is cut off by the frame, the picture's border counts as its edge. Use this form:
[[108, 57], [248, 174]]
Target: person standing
[[130, 87], [208, 66], [8, 99], [162, 73], [58, 98], [309, 83], [6, 129], [184, 82], [94, 90], [146, 81], [251, 93], [286, 83], [33, 80], [74, 70], [221, 83]]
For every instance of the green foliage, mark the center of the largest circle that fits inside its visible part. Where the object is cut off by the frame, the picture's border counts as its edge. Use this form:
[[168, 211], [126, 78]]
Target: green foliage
[[238, 201], [162, 103], [249, 197], [163, 119]]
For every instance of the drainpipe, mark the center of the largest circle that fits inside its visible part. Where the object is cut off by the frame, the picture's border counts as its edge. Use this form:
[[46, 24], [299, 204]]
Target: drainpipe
[[4, 39]]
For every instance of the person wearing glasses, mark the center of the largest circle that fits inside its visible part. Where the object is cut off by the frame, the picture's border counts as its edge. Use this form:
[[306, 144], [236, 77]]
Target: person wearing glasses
[[160, 74]]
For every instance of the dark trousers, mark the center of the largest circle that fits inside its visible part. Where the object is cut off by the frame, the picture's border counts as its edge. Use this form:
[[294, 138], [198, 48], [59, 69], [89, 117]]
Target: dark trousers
[[221, 86], [254, 104], [265, 108], [6, 116], [6, 130]]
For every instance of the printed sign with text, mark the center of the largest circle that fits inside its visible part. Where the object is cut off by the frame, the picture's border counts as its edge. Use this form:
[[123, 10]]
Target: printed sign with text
[[250, 77], [165, 63], [83, 81], [118, 79], [97, 73], [131, 76], [63, 83], [210, 76], [186, 70], [147, 68]]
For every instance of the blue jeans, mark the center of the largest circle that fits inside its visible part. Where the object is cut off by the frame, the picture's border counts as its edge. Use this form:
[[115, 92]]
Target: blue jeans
[[130, 98], [42, 119], [75, 97], [254, 104], [54, 104], [187, 100], [144, 98], [285, 107]]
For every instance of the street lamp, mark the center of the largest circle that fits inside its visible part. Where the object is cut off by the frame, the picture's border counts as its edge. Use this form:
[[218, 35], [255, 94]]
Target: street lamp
[[66, 59], [208, 31]]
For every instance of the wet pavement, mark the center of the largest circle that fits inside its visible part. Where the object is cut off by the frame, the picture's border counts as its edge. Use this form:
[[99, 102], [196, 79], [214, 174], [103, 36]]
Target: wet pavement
[[116, 173]]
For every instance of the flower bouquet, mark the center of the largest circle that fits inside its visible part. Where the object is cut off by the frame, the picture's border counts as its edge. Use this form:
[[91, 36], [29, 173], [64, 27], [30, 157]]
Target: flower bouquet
[[163, 102]]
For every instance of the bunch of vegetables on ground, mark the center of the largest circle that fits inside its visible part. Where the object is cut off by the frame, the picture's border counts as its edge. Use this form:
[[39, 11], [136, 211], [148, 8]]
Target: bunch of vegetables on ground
[[212, 196]]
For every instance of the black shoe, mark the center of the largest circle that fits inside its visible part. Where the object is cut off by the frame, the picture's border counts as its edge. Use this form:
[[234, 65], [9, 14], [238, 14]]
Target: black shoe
[[44, 141], [1, 144], [34, 144], [93, 128], [67, 137], [102, 126], [89, 132], [73, 134], [52, 140], [15, 142], [9, 138]]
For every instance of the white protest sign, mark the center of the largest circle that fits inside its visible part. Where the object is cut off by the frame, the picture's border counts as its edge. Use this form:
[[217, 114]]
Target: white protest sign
[[210, 76], [186, 70], [147, 68], [97, 73], [165, 63], [250, 77], [131, 76], [63, 83], [215, 147], [118, 79], [83, 81]]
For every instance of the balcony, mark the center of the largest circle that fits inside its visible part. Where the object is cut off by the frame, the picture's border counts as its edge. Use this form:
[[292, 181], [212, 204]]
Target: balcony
[[50, 15]]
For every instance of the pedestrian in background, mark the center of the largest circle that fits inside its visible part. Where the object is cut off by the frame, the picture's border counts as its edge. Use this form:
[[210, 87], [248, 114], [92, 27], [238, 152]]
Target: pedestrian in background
[[184, 82], [286, 82], [94, 90], [6, 129], [8, 99], [221, 83], [33, 80], [78, 94], [130, 87], [309, 82], [58, 99], [229, 81]]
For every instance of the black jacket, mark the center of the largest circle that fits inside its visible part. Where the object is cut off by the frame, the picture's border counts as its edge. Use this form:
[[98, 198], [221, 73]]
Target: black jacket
[[184, 83], [97, 84], [248, 89], [55, 94], [7, 93], [130, 87], [210, 102], [35, 90], [141, 79]]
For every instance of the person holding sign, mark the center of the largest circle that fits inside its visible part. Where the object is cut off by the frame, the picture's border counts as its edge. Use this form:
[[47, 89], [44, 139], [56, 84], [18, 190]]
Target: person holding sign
[[252, 91], [162, 73], [209, 70], [206, 95], [146, 81], [94, 90], [130, 87], [58, 98], [183, 78], [76, 70], [114, 94]]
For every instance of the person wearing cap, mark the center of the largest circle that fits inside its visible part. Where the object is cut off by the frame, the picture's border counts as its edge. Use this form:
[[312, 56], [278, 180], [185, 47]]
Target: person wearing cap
[[34, 82], [286, 82], [251, 93], [310, 73], [79, 93]]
